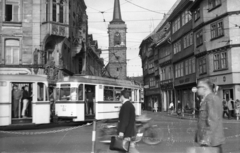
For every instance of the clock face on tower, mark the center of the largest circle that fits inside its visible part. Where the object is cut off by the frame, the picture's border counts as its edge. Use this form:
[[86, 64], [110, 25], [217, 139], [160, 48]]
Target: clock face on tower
[[117, 39]]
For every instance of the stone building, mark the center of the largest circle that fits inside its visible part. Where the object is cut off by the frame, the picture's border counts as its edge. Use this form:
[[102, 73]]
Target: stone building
[[216, 27], [117, 66], [44, 37], [204, 42]]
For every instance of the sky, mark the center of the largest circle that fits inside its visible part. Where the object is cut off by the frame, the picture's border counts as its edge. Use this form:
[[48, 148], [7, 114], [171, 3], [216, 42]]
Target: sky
[[141, 18]]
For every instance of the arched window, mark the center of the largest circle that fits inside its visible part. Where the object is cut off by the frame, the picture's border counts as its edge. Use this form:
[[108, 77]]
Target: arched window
[[12, 51]]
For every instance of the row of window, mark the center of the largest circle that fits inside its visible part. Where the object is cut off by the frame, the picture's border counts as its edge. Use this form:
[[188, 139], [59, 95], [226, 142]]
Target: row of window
[[185, 67], [166, 73], [13, 11], [184, 18]]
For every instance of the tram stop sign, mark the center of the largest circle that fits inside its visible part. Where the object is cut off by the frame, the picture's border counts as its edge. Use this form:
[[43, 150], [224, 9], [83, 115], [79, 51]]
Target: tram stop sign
[[194, 89]]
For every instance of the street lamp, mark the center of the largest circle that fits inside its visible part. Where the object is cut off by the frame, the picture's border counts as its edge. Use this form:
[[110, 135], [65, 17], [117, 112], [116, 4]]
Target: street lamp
[[194, 90]]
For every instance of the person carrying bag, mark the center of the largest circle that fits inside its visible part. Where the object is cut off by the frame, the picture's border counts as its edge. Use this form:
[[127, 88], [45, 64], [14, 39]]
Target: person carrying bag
[[126, 126]]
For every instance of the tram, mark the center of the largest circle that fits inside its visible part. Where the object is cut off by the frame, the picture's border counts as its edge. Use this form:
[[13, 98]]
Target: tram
[[71, 95], [14, 110]]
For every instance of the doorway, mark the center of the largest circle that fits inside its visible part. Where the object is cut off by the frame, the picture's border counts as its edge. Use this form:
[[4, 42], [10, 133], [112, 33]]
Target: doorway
[[227, 94], [21, 102], [90, 102]]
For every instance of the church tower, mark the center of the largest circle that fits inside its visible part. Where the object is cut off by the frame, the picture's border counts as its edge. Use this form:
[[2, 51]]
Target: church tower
[[117, 66]]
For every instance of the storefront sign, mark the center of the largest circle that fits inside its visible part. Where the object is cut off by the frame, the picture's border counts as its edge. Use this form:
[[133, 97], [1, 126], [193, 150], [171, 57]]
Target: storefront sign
[[166, 84], [185, 80], [222, 79], [152, 91]]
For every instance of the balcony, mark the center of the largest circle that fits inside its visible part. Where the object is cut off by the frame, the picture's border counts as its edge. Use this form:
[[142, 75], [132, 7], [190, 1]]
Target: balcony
[[56, 29]]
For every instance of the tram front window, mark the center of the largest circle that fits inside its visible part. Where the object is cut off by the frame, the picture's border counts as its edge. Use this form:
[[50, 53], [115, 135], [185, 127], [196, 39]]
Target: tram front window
[[67, 94]]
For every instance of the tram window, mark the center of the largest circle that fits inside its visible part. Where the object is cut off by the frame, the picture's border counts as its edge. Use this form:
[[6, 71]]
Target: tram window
[[130, 93], [64, 92], [58, 93], [73, 95], [80, 92], [108, 93], [117, 93], [135, 95], [40, 91]]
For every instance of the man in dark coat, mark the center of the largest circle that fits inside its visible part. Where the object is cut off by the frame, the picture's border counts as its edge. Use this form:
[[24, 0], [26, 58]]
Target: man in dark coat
[[126, 120], [210, 127]]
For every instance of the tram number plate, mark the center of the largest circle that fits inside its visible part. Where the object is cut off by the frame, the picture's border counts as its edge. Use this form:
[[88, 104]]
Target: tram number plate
[[117, 106]]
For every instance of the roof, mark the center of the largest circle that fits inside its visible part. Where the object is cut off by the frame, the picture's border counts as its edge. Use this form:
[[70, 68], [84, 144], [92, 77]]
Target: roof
[[100, 80], [117, 18]]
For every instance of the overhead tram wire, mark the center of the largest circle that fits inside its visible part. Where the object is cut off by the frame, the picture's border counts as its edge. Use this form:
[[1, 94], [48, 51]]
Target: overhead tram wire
[[144, 8]]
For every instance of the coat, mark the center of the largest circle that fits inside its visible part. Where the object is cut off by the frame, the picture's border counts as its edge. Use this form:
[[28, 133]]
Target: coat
[[126, 120], [210, 127]]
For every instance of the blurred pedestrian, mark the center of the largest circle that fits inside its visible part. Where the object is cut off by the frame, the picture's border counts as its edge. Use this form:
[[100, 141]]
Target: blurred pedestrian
[[156, 106], [26, 97], [17, 95], [237, 108], [179, 108], [171, 107], [225, 108], [126, 121], [209, 126], [230, 108]]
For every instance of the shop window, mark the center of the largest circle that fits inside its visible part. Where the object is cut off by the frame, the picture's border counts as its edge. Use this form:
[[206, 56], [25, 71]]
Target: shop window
[[12, 51], [12, 10], [108, 93]]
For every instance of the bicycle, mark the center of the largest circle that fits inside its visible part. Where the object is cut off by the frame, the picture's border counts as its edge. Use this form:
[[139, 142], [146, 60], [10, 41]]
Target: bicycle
[[147, 132]]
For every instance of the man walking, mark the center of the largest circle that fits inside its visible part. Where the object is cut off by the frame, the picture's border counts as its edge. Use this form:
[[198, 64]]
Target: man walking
[[17, 95], [209, 127], [126, 120]]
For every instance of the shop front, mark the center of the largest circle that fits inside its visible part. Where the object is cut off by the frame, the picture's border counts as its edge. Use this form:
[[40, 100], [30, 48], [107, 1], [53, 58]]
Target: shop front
[[167, 93], [152, 96], [229, 85], [183, 88]]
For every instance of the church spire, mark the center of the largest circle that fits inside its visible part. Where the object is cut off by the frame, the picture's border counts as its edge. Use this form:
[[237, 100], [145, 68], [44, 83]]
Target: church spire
[[117, 18]]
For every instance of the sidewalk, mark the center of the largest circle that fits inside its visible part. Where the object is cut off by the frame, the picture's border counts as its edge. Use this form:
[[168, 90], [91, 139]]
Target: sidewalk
[[185, 117]]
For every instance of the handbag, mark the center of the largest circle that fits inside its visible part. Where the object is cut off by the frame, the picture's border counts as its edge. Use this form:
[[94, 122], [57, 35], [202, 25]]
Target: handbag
[[203, 150], [119, 144]]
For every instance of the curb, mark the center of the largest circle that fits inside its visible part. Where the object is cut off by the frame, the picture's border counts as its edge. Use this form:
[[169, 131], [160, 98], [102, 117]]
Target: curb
[[188, 118]]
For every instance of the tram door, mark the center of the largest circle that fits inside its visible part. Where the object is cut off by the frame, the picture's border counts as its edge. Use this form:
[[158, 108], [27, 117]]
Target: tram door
[[90, 101], [21, 102]]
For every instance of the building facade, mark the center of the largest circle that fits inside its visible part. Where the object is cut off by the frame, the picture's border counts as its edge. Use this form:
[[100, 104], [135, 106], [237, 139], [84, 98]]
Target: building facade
[[204, 43], [183, 58], [43, 34], [216, 27]]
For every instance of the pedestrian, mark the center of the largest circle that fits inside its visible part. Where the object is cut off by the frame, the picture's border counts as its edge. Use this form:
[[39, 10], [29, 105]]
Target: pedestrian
[[225, 108], [237, 108], [90, 96], [230, 108], [171, 107], [17, 95], [179, 108], [126, 121], [209, 131], [26, 97], [156, 106]]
